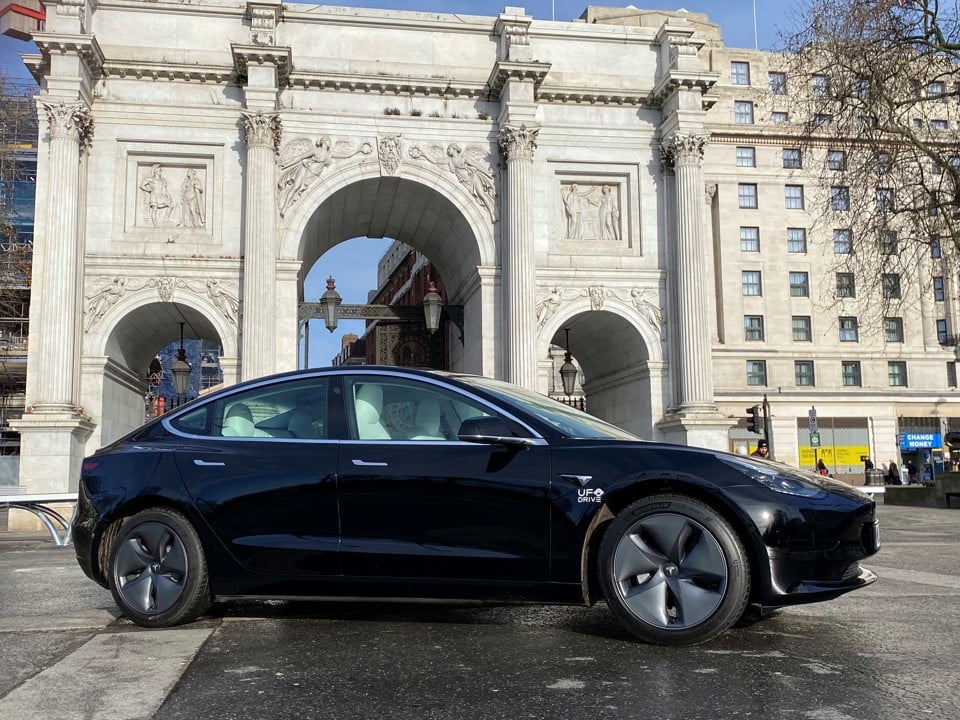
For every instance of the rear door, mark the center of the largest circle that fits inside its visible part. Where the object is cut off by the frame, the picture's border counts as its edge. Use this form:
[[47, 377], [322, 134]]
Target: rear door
[[263, 474], [416, 502]]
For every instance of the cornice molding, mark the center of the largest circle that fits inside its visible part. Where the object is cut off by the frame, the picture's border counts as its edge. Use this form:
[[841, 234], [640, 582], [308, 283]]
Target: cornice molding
[[504, 71], [280, 57]]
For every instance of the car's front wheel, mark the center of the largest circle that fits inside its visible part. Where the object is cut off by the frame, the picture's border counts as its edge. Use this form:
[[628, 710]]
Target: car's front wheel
[[158, 573], [674, 571]]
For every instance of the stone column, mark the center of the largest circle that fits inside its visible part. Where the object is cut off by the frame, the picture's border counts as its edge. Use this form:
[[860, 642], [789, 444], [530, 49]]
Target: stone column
[[258, 341], [54, 387], [695, 379], [517, 261]]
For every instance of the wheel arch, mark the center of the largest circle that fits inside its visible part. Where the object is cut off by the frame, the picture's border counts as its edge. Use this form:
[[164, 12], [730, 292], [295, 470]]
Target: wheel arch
[[615, 501]]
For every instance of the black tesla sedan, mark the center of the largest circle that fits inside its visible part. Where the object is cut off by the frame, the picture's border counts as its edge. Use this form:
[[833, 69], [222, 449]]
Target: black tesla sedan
[[381, 482]]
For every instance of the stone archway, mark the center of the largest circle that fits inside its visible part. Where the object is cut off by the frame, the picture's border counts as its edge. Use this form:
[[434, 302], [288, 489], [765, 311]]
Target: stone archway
[[119, 346], [424, 208], [619, 352]]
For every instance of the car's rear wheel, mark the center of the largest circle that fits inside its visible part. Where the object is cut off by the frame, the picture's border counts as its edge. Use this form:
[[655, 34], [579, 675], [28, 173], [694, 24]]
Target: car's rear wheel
[[674, 571], [158, 573]]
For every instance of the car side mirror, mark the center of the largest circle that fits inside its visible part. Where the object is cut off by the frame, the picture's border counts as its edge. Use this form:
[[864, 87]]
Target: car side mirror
[[490, 431]]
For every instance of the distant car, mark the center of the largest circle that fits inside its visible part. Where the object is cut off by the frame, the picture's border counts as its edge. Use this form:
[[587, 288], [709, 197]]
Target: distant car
[[384, 482]]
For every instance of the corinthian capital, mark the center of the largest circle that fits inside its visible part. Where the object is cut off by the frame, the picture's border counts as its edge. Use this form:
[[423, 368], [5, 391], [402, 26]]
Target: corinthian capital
[[518, 142], [683, 150], [71, 121], [262, 129]]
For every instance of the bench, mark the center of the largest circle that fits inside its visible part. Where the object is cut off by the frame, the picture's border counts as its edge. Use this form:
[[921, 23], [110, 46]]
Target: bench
[[39, 504]]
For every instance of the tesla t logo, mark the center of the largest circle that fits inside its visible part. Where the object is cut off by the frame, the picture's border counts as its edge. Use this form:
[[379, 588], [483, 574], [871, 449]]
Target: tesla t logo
[[590, 495]]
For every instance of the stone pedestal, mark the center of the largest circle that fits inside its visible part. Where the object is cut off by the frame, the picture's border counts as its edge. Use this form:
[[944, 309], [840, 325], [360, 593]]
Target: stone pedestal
[[698, 429], [52, 448]]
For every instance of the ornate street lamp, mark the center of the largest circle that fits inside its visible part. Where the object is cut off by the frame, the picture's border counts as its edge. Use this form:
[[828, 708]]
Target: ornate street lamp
[[568, 371], [432, 305], [330, 303], [181, 369]]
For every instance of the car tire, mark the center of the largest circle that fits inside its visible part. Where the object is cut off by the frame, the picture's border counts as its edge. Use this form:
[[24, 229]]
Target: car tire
[[673, 570], [158, 572]]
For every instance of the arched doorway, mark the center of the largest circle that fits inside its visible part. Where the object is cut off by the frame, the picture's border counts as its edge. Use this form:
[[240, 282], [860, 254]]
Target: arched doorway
[[619, 354], [427, 213]]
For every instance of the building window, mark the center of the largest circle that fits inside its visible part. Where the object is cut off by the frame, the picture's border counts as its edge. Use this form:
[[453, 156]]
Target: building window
[[777, 82], [822, 120], [934, 246], [820, 85], [792, 158], [891, 285], [951, 374], [799, 284], [779, 117], [893, 329], [746, 157], [938, 288], [837, 159], [840, 198], [889, 243], [803, 373], [796, 240], [753, 327], [740, 73], [793, 197], [751, 282], [747, 195], [849, 330], [750, 239], [756, 372], [884, 200], [942, 332], [937, 91], [862, 88], [743, 112], [842, 241], [801, 328], [916, 124], [939, 125], [851, 373], [897, 373], [846, 286]]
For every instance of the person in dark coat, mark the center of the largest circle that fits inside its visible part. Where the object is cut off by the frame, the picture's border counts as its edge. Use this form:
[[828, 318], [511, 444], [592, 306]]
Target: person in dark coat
[[893, 474]]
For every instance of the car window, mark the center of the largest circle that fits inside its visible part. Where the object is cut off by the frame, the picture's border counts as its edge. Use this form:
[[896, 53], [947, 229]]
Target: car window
[[295, 410], [386, 408]]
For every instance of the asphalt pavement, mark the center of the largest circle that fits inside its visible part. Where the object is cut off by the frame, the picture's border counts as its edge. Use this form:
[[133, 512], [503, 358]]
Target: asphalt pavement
[[885, 652]]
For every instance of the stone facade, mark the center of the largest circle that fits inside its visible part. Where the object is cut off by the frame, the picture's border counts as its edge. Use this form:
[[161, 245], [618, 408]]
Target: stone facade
[[199, 157]]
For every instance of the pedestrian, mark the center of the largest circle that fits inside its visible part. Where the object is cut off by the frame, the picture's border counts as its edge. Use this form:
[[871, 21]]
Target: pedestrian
[[867, 463], [893, 474], [762, 450], [821, 467], [911, 472]]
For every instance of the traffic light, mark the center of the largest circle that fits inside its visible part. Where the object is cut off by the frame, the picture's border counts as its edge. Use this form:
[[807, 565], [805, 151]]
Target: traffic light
[[753, 419]]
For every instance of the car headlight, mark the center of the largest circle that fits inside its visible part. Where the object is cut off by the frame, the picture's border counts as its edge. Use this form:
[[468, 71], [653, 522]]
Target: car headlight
[[777, 479]]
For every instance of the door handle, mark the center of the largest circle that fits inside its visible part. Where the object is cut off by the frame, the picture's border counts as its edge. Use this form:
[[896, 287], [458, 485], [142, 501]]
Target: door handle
[[204, 463], [364, 463]]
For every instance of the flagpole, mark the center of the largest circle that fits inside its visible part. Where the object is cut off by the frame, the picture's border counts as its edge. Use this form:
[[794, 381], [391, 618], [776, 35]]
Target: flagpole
[[756, 42]]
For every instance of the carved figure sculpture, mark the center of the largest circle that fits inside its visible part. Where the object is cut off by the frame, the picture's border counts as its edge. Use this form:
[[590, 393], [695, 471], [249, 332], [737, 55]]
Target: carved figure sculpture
[[469, 165], [158, 201], [303, 161], [191, 200], [102, 300], [573, 208], [547, 305], [609, 215]]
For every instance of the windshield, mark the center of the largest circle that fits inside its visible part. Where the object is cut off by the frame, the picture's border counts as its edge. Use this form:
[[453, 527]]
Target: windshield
[[568, 421]]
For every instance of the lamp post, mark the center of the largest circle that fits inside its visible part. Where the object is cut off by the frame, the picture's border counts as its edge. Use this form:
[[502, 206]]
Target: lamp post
[[568, 371], [181, 369], [432, 305]]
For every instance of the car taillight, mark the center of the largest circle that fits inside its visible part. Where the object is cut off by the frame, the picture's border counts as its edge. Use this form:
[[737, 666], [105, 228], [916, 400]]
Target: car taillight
[[89, 466]]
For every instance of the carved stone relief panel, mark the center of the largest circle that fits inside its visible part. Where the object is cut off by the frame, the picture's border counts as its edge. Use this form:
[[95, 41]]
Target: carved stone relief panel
[[594, 208], [168, 196]]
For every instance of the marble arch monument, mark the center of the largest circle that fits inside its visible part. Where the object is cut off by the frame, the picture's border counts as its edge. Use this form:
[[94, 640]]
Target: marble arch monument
[[197, 157]]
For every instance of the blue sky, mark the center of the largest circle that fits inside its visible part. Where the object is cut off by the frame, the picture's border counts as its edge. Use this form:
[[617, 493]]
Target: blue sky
[[354, 263]]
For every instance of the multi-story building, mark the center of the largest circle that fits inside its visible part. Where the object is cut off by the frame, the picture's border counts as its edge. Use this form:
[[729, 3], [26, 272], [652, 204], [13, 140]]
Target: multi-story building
[[867, 348]]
